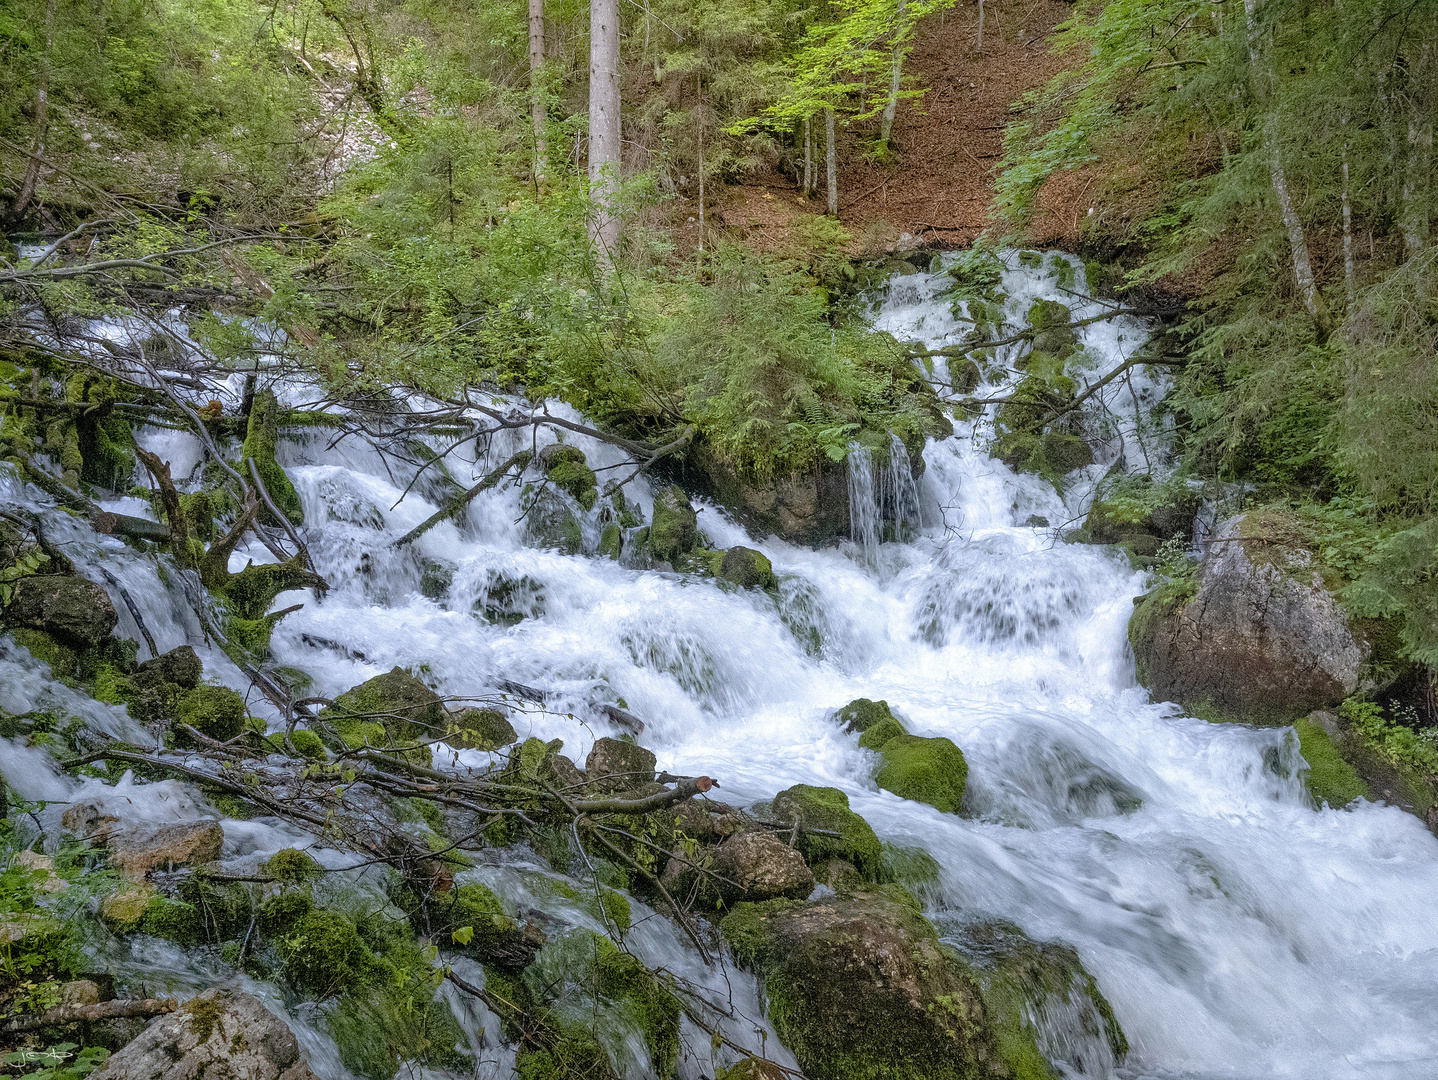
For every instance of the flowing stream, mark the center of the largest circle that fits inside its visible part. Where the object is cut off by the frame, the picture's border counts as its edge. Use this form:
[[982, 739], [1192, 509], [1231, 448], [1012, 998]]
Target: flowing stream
[[1236, 931]]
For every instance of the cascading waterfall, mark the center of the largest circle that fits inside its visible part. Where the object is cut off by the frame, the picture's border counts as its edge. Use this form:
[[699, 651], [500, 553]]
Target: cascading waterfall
[[1237, 932], [884, 499]]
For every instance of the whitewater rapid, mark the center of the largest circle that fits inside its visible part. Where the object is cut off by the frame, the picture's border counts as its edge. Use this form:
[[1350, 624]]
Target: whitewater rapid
[[1237, 932]]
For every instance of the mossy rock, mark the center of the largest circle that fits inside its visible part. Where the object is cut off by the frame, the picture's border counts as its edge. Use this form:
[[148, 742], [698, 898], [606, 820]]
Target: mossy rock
[[550, 523], [577, 479], [926, 770], [858, 985], [64, 661], [75, 611], [611, 542], [1021, 978], [180, 666], [1141, 515], [875, 737], [471, 919], [320, 949], [675, 529], [261, 440], [483, 729], [747, 568], [290, 866], [216, 712], [861, 714], [1331, 779], [1151, 611], [623, 978], [828, 809], [123, 911], [402, 707]]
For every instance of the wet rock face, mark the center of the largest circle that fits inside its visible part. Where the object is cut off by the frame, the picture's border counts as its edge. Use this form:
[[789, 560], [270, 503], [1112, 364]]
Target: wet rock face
[[179, 666], [136, 848], [675, 530], [809, 507], [857, 986], [220, 1035], [827, 828], [747, 568], [614, 765], [1259, 638], [760, 866], [76, 611], [397, 701], [483, 729]]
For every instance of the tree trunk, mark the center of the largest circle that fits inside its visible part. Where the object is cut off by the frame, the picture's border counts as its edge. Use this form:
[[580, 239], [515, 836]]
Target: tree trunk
[[808, 157], [604, 130], [981, 27], [1416, 176], [31, 178], [1350, 287], [886, 122], [1297, 239], [536, 87], [831, 162]]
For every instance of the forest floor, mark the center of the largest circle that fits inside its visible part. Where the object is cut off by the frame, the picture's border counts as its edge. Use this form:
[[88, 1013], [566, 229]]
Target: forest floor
[[939, 185]]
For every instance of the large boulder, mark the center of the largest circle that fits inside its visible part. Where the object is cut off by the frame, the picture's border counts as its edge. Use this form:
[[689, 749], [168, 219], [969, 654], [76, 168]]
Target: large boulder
[[220, 1035], [747, 568], [136, 849], [927, 770], [77, 612], [857, 985], [1256, 637]]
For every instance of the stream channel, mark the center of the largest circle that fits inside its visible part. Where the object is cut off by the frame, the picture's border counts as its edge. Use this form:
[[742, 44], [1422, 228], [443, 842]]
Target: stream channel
[[1237, 931]]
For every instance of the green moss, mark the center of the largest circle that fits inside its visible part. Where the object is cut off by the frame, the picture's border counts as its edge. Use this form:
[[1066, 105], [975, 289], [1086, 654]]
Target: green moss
[[745, 930], [623, 978], [675, 529], [861, 714], [1331, 779], [319, 948], [828, 809], [309, 744], [112, 687], [260, 442], [63, 660], [177, 922], [123, 911], [611, 907], [611, 542], [214, 711], [291, 866], [931, 771], [912, 867], [204, 1015], [875, 737], [576, 478], [747, 568]]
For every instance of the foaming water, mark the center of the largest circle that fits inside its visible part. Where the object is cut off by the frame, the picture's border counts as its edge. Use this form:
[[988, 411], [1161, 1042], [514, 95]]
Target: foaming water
[[1237, 932]]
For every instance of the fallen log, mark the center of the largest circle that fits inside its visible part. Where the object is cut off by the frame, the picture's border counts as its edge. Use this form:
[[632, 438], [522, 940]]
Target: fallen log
[[105, 1010]]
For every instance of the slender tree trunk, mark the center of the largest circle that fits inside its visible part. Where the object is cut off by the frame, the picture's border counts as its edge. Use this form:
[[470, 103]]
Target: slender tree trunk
[[891, 107], [31, 178], [981, 27], [1350, 286], [1416, 175], [699, 114], [536, 87], [1297, 239], [808, 157], [831, 162], [604, 130]]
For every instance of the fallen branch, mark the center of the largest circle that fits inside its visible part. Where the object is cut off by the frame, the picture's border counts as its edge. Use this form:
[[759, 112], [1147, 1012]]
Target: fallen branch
[[685, 789], [105, 1010], [457, 504]]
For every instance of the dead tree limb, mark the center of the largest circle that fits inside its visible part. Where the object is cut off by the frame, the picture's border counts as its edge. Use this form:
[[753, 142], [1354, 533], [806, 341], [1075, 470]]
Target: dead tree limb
[[105, 1010], [457, 504]]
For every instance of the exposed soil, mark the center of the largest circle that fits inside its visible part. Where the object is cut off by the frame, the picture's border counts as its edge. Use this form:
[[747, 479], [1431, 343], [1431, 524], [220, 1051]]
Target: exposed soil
[[940, 184]]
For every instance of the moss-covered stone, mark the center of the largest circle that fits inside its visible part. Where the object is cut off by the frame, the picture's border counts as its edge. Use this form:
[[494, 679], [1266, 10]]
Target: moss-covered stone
[[1331, 779], [399, 705], [926, 770], [623, 978], [828, 809], [261, 439], [75, 611], [861, 714], [319, 948], [180, 666], [290, 866], [123, 911], [1150, 611], [675, 529], [64, 661], [747, 568], [483, 729], [617, 764], [858, 986], [472, 918], [1021, 980], [611, 542], [577, 479], [881, 733], [214, 711]]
